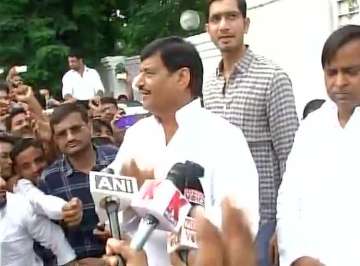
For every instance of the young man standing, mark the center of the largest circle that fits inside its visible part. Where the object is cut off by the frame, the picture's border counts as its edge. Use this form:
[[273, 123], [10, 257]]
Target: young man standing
[[68, 176], [256, 96]]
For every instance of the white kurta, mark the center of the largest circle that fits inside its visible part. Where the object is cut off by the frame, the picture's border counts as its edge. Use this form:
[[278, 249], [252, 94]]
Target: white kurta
[[206, 139], [20, 226], [318, 203]]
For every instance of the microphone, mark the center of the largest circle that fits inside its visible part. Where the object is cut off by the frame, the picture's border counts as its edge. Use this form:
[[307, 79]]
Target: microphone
[[112, 193], [161, 205], [193, 191], [104, 184]]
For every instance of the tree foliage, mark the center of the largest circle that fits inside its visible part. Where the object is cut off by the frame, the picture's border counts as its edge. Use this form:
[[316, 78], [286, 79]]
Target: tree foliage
[[39, 33], [147, 20]]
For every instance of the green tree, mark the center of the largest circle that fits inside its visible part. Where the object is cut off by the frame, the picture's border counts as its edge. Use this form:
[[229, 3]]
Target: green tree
[[146, 20], [39, 33]]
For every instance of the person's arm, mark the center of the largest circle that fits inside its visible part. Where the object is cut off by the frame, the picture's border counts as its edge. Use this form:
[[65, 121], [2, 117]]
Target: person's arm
[[46, 205], [98, 86], [49, 235], [282, 117]]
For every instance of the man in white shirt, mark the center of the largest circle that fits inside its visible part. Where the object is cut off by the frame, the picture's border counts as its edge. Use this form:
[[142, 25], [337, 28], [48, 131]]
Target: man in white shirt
[[318, 217], [80, 83], [20, 226], [170, 82]]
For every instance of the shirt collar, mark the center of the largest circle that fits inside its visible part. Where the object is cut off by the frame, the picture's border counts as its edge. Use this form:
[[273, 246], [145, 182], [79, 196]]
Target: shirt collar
[[100, 163], [241, 66], [187, 112]]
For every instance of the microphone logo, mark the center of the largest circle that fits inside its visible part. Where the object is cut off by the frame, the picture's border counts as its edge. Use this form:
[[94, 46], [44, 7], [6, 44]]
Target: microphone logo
[[172, 210], [117, 184]]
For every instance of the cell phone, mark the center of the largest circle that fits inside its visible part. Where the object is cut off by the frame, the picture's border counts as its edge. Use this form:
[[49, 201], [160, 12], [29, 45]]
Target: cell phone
[[21, 69], [127, 121]]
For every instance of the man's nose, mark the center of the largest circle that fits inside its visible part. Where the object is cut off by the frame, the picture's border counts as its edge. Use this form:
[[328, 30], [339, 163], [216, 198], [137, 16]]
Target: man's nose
[[223, 24]]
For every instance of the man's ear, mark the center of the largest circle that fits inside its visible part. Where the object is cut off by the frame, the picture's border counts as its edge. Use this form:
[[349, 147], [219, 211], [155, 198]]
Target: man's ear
[[206, 27], [247, 24], [183, 77]]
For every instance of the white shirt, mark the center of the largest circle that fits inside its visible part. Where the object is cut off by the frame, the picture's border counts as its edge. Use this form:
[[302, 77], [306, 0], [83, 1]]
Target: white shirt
[[318, 203], [206, 139], [82, 87], [20, 226], [46, 205]]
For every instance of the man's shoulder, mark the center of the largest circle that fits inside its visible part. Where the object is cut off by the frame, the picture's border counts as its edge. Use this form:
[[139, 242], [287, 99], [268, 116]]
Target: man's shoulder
[[264, 63]]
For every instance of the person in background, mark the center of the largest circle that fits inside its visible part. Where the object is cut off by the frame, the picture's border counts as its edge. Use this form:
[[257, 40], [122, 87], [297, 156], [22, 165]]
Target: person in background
[[80, 83], [20, 225], [255, 95], [318, 221], [109, 108], [102, 132], [68, 176]]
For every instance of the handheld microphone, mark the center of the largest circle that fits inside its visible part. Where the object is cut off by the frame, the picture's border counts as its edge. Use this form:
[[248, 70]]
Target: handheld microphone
[[162, 206], [193, 191], [112, 193]]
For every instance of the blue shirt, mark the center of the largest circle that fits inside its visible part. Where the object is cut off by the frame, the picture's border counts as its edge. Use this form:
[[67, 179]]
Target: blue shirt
[[62, 180]]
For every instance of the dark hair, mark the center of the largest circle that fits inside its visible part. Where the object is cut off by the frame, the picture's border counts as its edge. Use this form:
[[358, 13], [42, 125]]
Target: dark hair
[[336, 40], [13, 112], [4, 86], [76, 53], [122, 98], [22, 145], [111, 100], [241, 5], [62, 111], [312, 106], [98, 123], [176, 53]]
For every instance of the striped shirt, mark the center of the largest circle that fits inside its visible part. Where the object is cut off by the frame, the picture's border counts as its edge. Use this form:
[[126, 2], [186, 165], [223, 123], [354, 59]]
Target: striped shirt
[[62, 180], [258, 98]]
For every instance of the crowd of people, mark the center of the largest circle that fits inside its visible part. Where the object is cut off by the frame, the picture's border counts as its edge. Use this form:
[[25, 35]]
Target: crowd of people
[[274, 194]]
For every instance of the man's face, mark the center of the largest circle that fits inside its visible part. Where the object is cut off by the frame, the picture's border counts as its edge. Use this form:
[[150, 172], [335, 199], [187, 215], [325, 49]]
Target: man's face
[[226, 25], [104, 132], [342, 76], [108, 111], [157, 85], [20, 125], [75, 63], [5, 160], [30, 163], [72, 135]]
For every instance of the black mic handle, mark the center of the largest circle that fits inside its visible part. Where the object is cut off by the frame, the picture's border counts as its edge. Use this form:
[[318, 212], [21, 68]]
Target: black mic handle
[[112, 207]]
